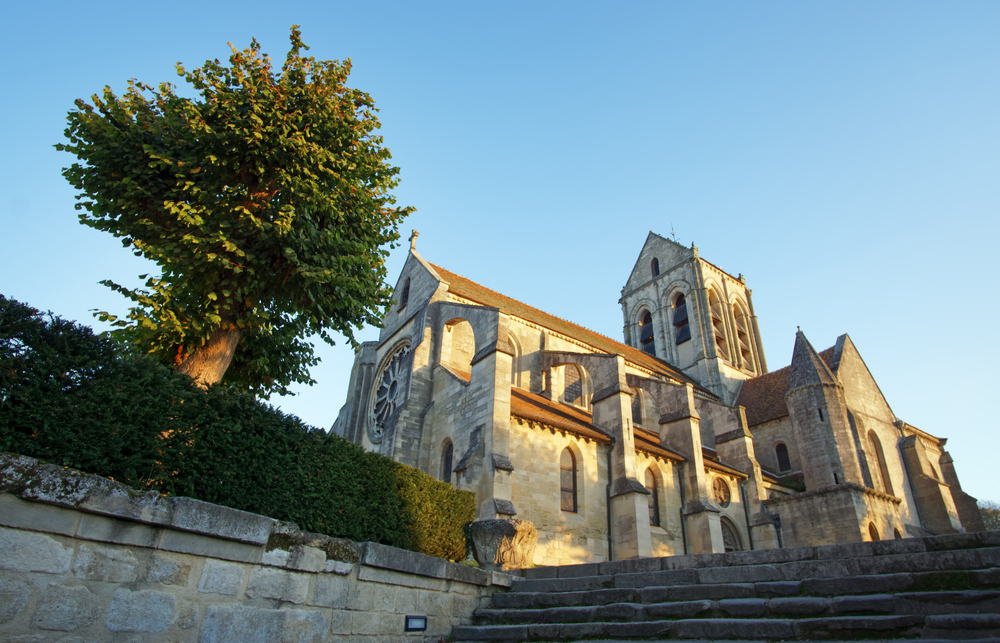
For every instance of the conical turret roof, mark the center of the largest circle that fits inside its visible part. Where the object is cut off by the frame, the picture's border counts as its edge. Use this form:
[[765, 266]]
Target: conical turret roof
[[807, 366]]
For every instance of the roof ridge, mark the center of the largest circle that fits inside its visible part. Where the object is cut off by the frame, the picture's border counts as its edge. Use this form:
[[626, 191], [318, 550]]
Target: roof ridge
[[628, 352], [497, 292]]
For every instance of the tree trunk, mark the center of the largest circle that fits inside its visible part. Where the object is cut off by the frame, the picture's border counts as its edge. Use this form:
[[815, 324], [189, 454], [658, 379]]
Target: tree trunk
[[209, 363]]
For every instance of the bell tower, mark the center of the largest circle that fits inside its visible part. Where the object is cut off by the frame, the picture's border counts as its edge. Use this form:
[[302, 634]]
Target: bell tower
[[689, 312]]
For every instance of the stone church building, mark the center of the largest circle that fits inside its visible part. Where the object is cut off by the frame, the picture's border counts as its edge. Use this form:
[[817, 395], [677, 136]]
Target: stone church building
[[676, 441]]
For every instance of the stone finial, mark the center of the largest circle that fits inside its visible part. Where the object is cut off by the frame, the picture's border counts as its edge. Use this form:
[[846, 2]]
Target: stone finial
[[504, 544], [413, 239]]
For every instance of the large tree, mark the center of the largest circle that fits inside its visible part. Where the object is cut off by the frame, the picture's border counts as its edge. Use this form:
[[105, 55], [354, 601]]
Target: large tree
[[265, 202]]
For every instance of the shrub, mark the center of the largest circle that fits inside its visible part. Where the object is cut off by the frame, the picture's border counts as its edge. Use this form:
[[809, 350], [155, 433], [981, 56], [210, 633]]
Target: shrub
[[71, 397], [436, 513]]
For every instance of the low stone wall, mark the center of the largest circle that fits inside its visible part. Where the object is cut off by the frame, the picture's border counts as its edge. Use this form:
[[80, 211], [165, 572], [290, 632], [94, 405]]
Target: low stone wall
[[87, 560]]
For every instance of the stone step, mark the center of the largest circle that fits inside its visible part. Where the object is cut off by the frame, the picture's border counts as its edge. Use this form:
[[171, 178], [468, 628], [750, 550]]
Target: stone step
[[954, 581], [882, 627], [928, 561], [922, 603], [853, 551]]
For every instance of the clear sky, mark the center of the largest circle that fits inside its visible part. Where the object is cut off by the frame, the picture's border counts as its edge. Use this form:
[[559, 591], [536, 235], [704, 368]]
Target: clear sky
[[843, 156]]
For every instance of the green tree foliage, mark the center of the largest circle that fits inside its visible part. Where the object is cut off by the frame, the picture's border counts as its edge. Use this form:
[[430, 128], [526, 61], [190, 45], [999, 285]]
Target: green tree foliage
[[991, 514], [265, 201], [73, 398]]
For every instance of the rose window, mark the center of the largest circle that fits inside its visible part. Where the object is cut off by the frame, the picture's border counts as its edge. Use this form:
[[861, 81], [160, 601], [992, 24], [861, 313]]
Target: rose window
[[388, 395], [721, 489]]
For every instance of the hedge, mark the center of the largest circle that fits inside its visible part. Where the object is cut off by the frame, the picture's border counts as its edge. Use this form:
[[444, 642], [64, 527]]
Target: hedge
[[75, 398]]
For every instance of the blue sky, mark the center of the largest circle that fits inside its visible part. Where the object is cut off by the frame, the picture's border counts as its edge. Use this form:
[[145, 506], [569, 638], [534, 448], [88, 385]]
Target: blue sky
[[843, 156]]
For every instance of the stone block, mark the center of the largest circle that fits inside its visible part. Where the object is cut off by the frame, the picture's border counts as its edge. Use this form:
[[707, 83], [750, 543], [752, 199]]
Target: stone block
[[391, 623], [391, 577], [875, 584], [112, 530], [780, 588], [186, 543], [904, 546], [220, 577], [275, 557], [215, 520], [329, 591], [306, 559], [681, 609], [743, 574], [845, 550], [743, 607], [630, 566], [832, 568], [13, 595], [270, 582], [141, 611], [338, 567], [21, 514], [245, 624], [65, 609], [798, 606], [340, 622], [871, 603], [734, 628], [104, 563], [364, 623], [657, 579], [168, 570], [768, 556], [693, 562], [989, 557], [23, 551], [187, 615]]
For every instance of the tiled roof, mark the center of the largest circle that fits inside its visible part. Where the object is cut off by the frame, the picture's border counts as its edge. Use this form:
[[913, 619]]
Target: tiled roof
[[472, 291], [531, 406], [534, 407], [764, 395], [649, 442]]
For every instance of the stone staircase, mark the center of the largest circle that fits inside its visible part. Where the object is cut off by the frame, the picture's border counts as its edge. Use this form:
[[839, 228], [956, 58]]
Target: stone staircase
[[939, 588]]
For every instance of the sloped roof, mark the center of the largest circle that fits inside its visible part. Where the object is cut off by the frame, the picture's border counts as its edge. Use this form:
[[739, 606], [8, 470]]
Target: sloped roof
[[531, 406], [572, 419], [468, 289], [764, 396]]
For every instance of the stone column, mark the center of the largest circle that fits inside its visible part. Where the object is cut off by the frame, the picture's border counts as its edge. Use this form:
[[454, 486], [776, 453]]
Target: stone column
[[933, 496], [491, 370], [736, 448], [612, 404], [680, 431]]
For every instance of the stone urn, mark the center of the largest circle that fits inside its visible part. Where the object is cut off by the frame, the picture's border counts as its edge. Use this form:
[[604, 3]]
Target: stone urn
[[503, 544]]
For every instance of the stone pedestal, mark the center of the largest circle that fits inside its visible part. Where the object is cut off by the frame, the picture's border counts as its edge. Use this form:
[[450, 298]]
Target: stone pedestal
[[503, 544]]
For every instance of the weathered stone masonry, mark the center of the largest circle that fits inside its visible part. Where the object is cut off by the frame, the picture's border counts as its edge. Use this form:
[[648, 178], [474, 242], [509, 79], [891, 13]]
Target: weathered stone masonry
[[83, 558]]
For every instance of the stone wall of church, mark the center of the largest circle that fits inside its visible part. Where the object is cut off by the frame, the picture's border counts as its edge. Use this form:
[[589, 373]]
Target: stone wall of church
[[564, 538], [667, 538], [767, 436]]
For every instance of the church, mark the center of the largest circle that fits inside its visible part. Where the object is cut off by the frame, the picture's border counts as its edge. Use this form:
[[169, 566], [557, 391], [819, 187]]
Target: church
[[676, 440]]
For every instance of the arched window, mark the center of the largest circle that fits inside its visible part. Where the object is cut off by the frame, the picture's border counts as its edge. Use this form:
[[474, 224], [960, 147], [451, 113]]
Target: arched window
[[654, 267], [572, 385], [646, 335], [515, 361], [567, 481], [682, 332], [447, 454], [873, 532], [404, 297], [896, 534], [883, 470], [654, 498], [637, 408], [730, 535], [784, 464], [458, 346], [743, 336], [719, 325]]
